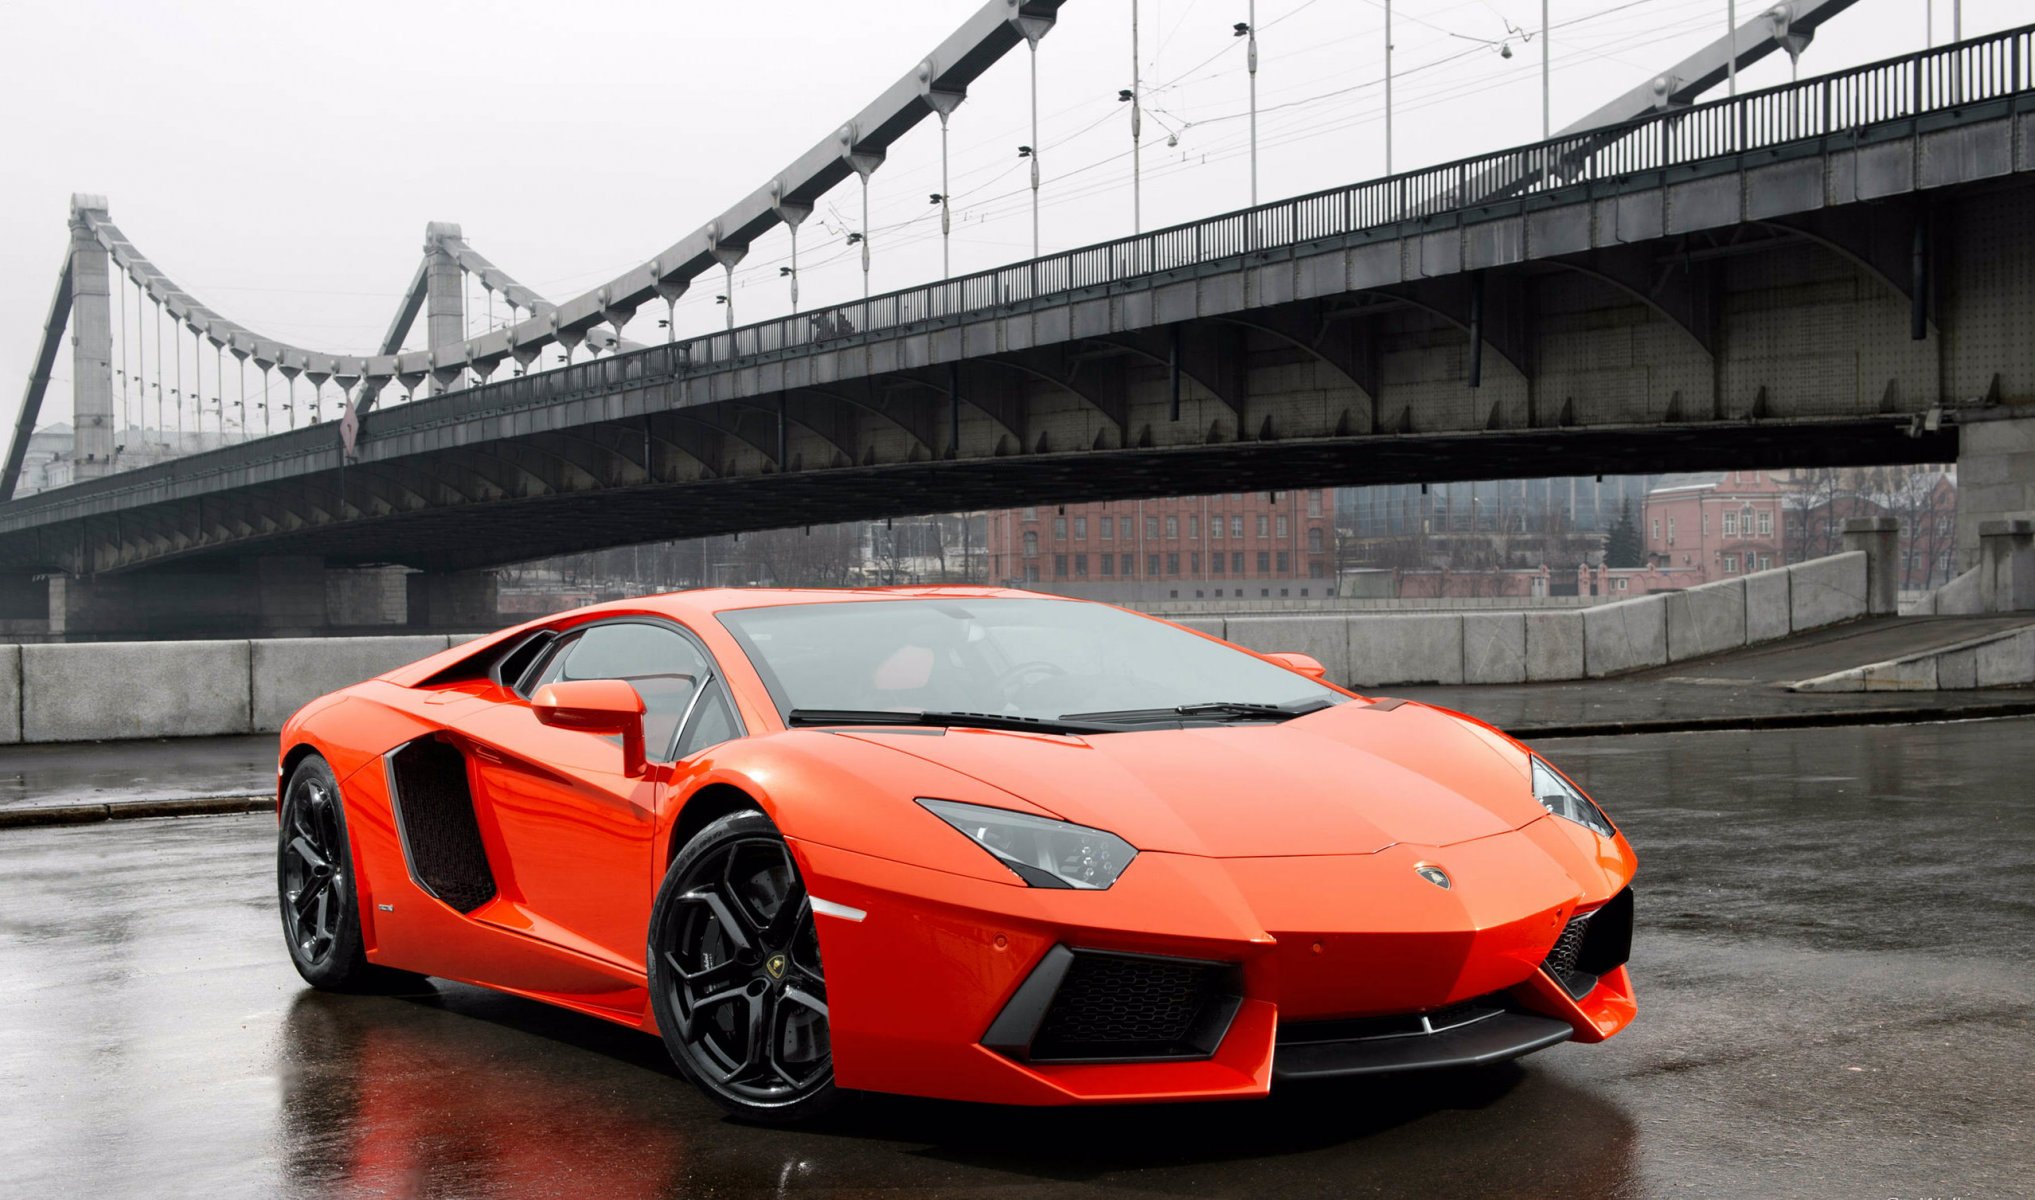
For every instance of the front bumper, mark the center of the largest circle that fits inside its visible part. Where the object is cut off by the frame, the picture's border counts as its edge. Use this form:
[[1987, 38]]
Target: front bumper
[[921, 988]]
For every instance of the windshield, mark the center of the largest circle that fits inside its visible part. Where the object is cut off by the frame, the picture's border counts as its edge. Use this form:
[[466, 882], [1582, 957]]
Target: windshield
[[1039, 659]]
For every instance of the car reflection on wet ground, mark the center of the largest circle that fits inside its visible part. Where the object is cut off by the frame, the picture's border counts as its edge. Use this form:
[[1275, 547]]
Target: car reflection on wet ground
[[1836, 964]]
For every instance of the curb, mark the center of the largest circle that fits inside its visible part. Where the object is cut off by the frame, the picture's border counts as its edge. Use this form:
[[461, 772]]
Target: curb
[[92, 814], [1808, 720]]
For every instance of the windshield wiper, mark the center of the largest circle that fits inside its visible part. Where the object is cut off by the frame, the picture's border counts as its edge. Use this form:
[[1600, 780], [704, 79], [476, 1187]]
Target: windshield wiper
[[953, 720], [1208, 708]]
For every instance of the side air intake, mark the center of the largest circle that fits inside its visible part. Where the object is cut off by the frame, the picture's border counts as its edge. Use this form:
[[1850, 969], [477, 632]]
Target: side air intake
[[434, 816]]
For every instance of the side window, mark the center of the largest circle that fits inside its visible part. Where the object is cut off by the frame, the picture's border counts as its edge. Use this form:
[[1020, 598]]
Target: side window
[[713, 722], [663, 666]]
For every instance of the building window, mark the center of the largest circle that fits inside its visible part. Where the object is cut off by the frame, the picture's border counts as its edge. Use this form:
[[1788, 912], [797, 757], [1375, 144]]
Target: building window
[[1621, 583], [1194, 562], [1263, 592], [1706, 524], [1316, 570], [1123, 528], [1031, 543], [1313, 508], [1172, 528], [1031, 513], [1107, 528], [1151, 527], [1766, 562], [1314, 539], [1285, 563], [1193, 527], [1236, 564], [1236, 525], [1303, 593], [1766, 522], [1031, 572], [1215, 527], [1215, 563], [1059, 529], [1080, 528], [1656, 529], [1059, 566], [1109, 566], [1264, 525], [1127, 568], [1264, 560], [1151, 565], [1730, 524], [1282, 525], [1730, 561], [1173, 564], [1081, 566], [1174, 594]]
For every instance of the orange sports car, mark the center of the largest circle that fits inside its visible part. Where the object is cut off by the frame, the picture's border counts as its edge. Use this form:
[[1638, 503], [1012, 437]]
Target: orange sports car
[[958, 842]]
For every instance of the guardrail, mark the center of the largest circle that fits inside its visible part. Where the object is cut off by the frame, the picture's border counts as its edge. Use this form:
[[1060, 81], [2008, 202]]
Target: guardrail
[[1943, 79]]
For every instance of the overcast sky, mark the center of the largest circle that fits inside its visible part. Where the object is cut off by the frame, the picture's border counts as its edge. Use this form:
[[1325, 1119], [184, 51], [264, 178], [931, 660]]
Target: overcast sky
[[281, 160]]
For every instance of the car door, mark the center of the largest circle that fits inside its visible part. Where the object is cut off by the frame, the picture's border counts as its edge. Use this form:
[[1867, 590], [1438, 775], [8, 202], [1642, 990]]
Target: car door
[[576, 828]]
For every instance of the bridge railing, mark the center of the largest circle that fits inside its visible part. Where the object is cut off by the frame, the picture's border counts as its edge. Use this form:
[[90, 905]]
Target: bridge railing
[[1974, 71]]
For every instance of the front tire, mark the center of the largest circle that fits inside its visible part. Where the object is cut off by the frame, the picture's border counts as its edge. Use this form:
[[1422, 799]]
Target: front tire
[[315, 887], [735, 977]]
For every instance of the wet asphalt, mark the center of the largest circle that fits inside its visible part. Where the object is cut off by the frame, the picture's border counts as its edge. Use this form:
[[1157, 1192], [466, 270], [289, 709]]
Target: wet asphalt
[[1835, 964]]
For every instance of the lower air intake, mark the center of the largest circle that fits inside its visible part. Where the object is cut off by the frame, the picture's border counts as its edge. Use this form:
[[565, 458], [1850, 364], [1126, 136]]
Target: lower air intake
[[1591, 945], [1102, 1006]]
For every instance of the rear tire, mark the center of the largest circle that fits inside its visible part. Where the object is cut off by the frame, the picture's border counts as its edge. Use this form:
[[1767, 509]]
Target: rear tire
[[315, 889], [735, 978]]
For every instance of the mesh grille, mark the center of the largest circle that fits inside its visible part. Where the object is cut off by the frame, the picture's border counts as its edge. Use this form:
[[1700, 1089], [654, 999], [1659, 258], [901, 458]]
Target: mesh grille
[[1564, 961], [1117, 1005]]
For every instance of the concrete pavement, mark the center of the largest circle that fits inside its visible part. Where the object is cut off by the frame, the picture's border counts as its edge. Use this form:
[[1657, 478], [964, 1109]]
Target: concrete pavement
[[1835, 963]]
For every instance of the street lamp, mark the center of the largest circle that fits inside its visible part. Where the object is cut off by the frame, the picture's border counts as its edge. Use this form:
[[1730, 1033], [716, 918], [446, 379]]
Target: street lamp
[[1249, 30]]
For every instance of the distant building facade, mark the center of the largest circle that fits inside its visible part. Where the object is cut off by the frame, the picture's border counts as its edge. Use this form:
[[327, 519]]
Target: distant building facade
[[1717, 525], [1232, 546]]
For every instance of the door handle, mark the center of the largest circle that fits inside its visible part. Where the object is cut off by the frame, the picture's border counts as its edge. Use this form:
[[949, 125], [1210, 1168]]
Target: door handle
[[487, 755]]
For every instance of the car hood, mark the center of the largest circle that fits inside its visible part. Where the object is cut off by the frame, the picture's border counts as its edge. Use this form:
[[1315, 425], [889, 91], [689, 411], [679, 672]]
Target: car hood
[[1352, 779]]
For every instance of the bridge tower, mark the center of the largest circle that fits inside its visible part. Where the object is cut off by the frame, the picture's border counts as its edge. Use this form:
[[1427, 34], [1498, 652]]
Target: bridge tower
[[444, 298], [91, 342]]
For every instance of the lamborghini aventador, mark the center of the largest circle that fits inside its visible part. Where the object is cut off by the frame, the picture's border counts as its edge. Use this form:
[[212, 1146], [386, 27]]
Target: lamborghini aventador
[[956, 842]]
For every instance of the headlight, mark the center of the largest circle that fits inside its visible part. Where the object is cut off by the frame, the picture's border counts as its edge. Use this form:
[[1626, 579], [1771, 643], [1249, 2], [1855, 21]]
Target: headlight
[[1042, 852], [1560, 797]]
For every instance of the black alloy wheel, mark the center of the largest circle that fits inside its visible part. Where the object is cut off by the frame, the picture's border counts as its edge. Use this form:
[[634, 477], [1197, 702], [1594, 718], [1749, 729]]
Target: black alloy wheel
[[314, 884], [735, 976]]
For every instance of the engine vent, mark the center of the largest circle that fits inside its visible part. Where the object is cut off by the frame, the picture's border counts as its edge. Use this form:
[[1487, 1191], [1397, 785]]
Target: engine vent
[[434, 815]]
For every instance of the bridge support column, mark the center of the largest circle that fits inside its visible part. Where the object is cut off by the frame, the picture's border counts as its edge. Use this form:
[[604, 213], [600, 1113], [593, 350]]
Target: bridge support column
[[1880, 539], [91, 344], [461, 600], [444, 296], [266, 597], [1995, 476]]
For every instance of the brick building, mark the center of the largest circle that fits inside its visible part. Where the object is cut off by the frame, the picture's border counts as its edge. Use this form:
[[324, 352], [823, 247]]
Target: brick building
[[1716, 525], [1233, 546]]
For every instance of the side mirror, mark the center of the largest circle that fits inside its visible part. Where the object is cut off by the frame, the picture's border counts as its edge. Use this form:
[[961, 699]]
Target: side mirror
[[1306, 664], [602, 706]]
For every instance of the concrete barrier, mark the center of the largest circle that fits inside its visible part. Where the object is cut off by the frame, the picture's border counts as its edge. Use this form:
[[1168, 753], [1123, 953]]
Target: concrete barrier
[[1767, 612], [1706, 620], [1326, 638], [106, 690], [1958, 598], [1494, 647], [1826, 591], [1627, 636], [287, 673], [10, 695], [1554, 646], [1405, 649]]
